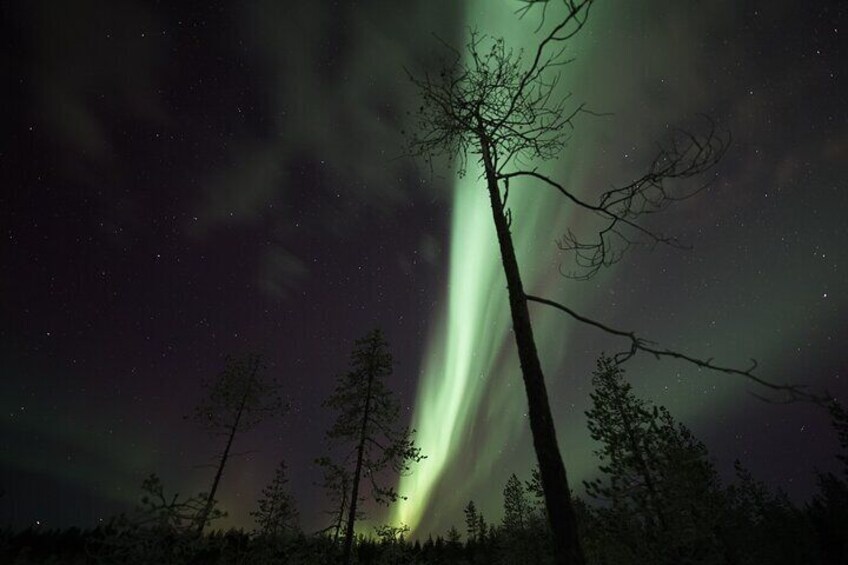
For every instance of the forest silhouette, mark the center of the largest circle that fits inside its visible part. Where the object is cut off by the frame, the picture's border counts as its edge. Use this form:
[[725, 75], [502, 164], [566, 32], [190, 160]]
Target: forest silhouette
[[656, 498]]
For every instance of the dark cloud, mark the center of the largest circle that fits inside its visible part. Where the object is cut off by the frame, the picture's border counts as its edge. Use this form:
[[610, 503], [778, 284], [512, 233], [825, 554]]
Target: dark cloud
[[281, 273], [245, 191], [335, 94]]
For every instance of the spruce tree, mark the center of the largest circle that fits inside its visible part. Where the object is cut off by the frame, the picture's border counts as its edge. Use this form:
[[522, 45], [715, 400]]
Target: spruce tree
[[472, 522], [276, 514], [515, 505]]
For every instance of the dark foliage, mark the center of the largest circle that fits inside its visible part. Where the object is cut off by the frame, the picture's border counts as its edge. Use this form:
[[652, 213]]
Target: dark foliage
[[657, 499], [237, 400], [276, 513], [367, 428]]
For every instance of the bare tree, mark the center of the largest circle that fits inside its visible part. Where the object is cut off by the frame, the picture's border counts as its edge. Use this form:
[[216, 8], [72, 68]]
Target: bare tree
[[367, 421], [236, 401], [501, 109], [160, 530]]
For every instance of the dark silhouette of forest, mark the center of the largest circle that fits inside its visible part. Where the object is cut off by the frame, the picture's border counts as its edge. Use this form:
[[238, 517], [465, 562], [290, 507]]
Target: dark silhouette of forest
[[656, 498]]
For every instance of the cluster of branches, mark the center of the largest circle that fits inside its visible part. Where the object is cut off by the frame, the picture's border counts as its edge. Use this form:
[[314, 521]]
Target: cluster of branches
[[497, 101], [494, 98], [493, 94], [161, 529], [620, 209]]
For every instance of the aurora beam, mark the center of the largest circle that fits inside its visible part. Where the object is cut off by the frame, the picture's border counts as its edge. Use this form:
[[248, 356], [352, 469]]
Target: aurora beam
[[470, 412], [470, 370]]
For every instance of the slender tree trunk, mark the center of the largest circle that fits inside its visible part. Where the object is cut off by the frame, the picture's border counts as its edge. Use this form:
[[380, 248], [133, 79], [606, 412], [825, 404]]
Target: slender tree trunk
[[567, 550], [207, 508], [354, 494], [340, 519], [210, 500]]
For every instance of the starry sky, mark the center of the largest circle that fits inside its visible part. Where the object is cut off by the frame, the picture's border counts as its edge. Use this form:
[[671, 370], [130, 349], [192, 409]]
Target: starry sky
[[185, 180]]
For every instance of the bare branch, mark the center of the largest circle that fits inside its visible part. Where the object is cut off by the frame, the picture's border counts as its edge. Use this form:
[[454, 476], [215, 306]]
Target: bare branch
[[793, 393], [492, 94], [574, 20], [687, 155]]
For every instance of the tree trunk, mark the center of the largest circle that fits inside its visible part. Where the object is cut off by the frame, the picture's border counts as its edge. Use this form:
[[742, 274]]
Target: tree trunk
[[210, 500], [340, 519], [354, 495], [567, 550]]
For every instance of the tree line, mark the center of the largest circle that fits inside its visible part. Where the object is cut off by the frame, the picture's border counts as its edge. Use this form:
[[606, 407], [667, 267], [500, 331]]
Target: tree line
[[656, 498], [368, 449]]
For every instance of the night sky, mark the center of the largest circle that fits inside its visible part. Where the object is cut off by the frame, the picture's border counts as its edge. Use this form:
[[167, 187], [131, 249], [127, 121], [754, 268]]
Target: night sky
[[184, 180]]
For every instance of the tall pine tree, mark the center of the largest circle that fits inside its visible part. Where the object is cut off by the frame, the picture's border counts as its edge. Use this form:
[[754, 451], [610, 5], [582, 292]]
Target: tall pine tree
[[367, 419], [236, 401]]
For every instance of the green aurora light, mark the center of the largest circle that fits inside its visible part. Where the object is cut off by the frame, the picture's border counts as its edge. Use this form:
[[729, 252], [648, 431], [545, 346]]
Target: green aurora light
[[469, 412], [470, 371]]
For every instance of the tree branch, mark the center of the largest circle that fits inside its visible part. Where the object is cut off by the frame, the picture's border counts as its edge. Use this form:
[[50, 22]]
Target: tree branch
[[793, 392], [685, 156]]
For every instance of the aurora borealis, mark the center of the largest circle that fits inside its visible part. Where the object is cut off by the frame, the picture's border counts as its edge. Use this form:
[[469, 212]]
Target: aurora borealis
[[182, 182], [471, 368], [470, 399]]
